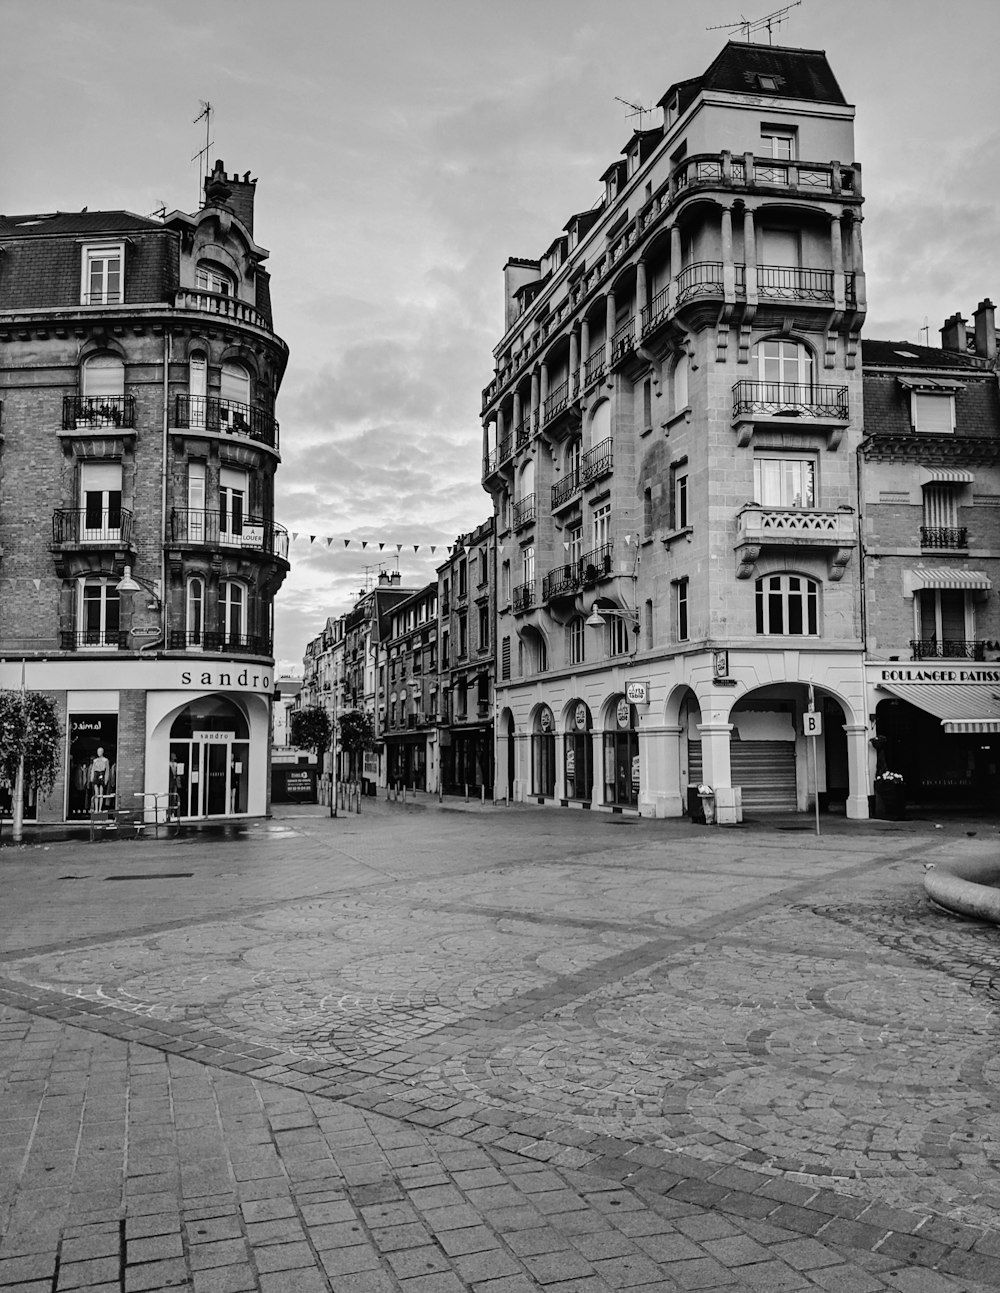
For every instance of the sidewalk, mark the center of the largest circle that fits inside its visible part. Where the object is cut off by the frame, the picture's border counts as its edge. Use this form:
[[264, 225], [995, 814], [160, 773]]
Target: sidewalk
[[496, 1051]]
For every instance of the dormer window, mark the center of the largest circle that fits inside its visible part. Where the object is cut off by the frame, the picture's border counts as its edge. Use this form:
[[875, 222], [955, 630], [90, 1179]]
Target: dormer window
[[103, 278], [933, 412], [210, 277]]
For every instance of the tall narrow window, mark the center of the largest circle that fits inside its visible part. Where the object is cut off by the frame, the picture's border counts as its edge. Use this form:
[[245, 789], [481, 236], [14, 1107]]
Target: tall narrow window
[[946, 627], [505, 582], [680, 383], [98, 613], [233, 612], [528, 565], [602, 525], [197, 388], [195, 636], [234, 404], [103, 382], [196, 518], [577, 640], [647, 512], [618, 643], [505, 658], [679, 496], [681, 609], [232, 504], [940, 528]]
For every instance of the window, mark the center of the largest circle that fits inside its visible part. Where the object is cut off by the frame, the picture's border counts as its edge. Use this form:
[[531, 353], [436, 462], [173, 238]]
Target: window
[[574, 547], [577, 640], [103, 388], [776, 141], [463, 578], [103, 274], [573, 459], [681, 609], [940, 528], [618, 643], [484, 568], [680, 382], [232, 504], [528, 565], [100, 501], [234, 402], [233, 612], [679, 496], [445, 651], [196, 503], [213, 278], [649, 622], [784, 482], [98, 612], [195, 612], [197, 388], [933, 414], [484, 628], [787, 604], [602, 525], [647, 512], [463, 636], [505, 582], [647, 405], [787, 362], [945, 620]]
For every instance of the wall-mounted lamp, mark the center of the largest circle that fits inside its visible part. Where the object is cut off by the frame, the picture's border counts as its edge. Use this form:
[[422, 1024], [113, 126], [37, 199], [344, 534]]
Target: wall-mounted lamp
[[130, 583]]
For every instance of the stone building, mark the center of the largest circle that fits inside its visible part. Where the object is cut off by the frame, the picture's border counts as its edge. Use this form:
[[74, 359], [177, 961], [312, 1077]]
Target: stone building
[[139, 369], [670, 443], [408, 691]]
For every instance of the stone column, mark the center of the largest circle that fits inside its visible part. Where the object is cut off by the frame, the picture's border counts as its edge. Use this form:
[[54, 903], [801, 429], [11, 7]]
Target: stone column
[[675, 265], [574, 362], [837, 264], [728, 267], [858, 772], [640, 297], [750, 255]]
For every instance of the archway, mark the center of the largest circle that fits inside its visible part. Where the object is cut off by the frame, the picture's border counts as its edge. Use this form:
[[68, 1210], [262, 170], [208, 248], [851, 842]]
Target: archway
[[210, 758]]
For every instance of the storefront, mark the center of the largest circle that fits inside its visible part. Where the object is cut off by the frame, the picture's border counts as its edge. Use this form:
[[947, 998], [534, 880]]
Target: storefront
[[543, 754], [139, 732], [621, 758], [578, 753]]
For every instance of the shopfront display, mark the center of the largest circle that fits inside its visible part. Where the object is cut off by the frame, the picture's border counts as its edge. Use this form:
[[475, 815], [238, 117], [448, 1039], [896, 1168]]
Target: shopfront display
[[92, 772], [578, 753], [210, 759], [621, 758], [543, 754]]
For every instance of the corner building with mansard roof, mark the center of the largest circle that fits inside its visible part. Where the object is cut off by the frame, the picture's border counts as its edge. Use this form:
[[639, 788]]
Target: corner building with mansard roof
[[140, 554], [670, 442]]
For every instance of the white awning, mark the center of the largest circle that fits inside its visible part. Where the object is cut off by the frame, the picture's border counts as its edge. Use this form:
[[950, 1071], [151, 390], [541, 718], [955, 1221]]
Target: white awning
[[944, 577], [929, 384], [962, 707], [945, 476]]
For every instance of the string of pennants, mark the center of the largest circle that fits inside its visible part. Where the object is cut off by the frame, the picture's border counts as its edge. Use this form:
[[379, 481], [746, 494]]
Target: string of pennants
[[375, 544]]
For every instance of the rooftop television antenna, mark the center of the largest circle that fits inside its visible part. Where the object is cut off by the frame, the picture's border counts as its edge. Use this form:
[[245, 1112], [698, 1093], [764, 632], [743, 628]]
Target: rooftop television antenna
[[925, 332], [751, 25], [637, 109], [202, 153]]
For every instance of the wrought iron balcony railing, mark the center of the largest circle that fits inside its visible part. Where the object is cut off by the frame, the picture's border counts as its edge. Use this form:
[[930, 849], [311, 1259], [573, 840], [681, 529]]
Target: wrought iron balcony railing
[[944, 536], [523, 432], [93, 412], [523, 511], [947, 648], [236, 643], [563, 581], [790, 399], [556, 400], [98, 639], [593, 369], [211, 413], [564, 489], [596, 462], [524, 596], [87, 526], [623, 342], [793, 283], [596, 564], [215, 529], [703, 278]]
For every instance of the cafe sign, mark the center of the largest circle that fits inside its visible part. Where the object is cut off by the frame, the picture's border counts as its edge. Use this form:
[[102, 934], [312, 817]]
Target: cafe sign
[[637, 693]]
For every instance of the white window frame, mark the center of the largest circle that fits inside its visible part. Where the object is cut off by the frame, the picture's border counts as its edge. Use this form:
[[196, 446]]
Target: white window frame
[[577, 640], [793, 361], [807, 594], [618, 641], [107, 596], [528, 564], [103, 254], [601, 525], [936, 400], [681, 497], [575, 540], [779, 142], [228, 603], [233, 512], [194, 612], [682, 623], [209, 277], [792, 471], [101, 482]]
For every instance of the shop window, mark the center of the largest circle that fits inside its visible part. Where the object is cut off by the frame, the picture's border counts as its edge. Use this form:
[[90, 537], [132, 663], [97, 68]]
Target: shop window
[[578, 754], [621, 757], [210, 759], [91, 777], [787, 604], [98, 613], [103, 274], [543, 754], [784, 482]]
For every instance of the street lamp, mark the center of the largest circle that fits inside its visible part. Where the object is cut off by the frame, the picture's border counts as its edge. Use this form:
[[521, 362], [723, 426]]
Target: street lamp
[[130, 583]]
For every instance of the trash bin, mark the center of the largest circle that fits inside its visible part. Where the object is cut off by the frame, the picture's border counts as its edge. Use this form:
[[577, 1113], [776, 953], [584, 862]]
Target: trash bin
[[696, 809], [707, 796]]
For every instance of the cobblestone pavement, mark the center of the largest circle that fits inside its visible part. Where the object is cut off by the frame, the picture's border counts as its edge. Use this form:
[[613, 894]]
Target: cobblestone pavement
[[427, 1050]]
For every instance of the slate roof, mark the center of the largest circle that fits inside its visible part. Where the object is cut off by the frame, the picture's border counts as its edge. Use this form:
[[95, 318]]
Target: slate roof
[[74, 222], [801, 74], [906, 354]]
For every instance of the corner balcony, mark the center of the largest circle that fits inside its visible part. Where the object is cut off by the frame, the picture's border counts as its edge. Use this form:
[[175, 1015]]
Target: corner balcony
[[222, 306], [562, 581], [226, 417], [228, 643], [523, 598], [832, 533], [202, 528], [806, 405]]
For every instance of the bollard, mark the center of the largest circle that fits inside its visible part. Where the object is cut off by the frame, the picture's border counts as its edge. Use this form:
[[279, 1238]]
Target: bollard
[[466, 792], [482, 795]]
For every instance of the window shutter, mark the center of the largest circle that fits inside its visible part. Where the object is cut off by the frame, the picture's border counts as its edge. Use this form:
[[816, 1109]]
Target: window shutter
[[505, 659], [933, 413]]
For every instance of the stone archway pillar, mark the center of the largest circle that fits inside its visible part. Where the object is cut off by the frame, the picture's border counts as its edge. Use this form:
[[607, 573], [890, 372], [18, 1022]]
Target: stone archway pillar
[[660, 792], [857, 770], [716, 767]]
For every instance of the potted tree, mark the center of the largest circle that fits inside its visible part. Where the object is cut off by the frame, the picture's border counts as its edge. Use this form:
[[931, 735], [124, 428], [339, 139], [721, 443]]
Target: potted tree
[[890, 795]]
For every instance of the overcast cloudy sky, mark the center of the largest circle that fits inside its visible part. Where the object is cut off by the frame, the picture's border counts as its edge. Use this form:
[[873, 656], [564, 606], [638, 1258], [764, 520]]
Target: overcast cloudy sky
[[406, 148]]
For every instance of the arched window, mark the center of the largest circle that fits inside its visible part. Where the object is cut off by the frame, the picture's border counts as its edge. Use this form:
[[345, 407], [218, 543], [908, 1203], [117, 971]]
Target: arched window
[[103, 375], [233, 613], [543, 753], [197, 388], [787, 605], [787, 363], [210, 277], [621, 756], [578, 753], [234, 404], [680, 382], [195, 612]]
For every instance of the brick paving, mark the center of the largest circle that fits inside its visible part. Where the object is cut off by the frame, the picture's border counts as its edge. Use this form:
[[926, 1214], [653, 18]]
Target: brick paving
[[424, 1050]]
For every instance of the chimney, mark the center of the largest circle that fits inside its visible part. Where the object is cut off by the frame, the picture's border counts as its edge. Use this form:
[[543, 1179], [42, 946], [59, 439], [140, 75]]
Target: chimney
[[986, 330], [233, 193], [953, 335]]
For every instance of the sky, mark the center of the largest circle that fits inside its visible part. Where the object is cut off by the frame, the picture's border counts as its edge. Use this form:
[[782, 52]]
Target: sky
[[405, 149]]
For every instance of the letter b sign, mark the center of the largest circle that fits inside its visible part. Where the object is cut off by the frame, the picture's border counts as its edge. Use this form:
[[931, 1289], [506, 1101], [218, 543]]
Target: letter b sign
[[812, 723]]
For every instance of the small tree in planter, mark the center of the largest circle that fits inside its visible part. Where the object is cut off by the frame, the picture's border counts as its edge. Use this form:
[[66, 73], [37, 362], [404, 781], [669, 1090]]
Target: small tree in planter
[[30, 742], [357, 734], [311, 729]]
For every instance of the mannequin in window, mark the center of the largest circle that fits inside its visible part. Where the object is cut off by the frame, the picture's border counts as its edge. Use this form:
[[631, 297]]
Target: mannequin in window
[[100, 772]]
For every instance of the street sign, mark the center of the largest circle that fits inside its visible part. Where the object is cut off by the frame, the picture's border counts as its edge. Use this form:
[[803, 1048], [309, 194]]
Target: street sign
[[812, 723]]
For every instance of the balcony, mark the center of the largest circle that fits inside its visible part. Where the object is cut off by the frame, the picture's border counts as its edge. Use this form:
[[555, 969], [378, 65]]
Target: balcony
[[222, 306], [230, 643], [566, 489], [93, 639], [794, 527], [228, 417], [947, 649], [562, 581], [215, 529], [523, 598], [596, 565], [594, 368], [596, 462], [784, 402], [703, 278], [556, 400], [98, 412], [522, 433], [790, 283], [623, 342], [87, 528], [944, 536], [523, 512]]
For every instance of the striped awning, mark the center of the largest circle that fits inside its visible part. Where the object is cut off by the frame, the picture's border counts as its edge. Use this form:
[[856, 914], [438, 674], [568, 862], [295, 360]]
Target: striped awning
[[962, 707], [945, 476], [945, 577]]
